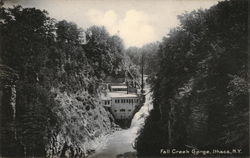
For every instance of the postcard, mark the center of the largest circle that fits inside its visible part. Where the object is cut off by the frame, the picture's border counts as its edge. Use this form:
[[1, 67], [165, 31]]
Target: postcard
[[124, 79]]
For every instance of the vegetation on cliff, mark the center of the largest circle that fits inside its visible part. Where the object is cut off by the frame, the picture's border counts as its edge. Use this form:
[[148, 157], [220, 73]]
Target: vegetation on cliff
[[200, 90], [59, 68]]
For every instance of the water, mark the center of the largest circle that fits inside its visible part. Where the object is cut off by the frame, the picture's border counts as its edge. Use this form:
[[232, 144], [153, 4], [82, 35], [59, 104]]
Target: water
[[121, 142]]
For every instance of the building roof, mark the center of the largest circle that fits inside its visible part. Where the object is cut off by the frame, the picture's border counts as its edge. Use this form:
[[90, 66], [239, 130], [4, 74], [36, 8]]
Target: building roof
[[122, 95], [118, 86]]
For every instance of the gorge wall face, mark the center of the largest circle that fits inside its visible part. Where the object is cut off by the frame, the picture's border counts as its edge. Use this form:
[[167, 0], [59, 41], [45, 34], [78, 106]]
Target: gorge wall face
[[84, 123], [8, 136], [49, 84], [200, 92]]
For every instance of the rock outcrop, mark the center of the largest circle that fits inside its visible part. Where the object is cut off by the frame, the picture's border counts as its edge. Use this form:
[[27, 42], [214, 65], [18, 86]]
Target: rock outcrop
[[8, 137], [84, 122]]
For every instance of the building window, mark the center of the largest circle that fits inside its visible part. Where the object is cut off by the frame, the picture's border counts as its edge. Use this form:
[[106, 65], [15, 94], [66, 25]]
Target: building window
[[122, 110]]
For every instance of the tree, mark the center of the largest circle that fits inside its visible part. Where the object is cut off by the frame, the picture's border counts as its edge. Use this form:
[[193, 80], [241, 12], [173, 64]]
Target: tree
[[104, 51], [27, 34], [194, 89]]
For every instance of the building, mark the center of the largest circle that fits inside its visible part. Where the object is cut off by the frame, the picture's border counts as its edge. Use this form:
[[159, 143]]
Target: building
[[122, 103], [120, 96], [114, 88]]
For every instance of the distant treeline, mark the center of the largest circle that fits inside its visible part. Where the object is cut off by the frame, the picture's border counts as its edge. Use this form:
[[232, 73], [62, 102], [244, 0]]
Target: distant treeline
[[200, 88], [39, 53], [146, 56]]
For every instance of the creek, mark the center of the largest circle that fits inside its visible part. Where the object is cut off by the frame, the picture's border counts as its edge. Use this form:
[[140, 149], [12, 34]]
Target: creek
[[120, 143]]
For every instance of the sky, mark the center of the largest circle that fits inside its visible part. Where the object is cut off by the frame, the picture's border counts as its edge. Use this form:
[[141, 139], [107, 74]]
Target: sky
[[137, 22]]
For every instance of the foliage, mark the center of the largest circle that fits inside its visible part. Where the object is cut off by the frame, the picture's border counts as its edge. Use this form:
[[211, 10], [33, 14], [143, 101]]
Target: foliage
[[105, 52], [149, 54], [47, 54], [27, 34], [195, 97]]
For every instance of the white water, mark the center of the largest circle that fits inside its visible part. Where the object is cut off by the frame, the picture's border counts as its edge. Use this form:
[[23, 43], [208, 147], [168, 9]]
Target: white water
[[120, 142]]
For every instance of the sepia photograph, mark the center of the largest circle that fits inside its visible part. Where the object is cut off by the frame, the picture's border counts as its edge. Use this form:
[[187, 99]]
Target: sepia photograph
[[124, 79]]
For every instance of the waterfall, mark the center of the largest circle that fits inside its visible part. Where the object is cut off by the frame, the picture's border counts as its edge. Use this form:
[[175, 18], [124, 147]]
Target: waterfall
[[139, 118], [122, 141]]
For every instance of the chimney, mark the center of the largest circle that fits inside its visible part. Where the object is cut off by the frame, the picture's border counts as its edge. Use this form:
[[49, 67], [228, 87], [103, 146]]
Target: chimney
[[127, 86], [142, 64]]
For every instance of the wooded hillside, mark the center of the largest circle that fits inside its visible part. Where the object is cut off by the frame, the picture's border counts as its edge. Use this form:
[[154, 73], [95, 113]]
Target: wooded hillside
[[200, 92], [58, 68]]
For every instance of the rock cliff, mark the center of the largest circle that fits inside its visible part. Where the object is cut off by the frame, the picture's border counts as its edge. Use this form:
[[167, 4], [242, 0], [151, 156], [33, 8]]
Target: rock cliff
[[84, 123]]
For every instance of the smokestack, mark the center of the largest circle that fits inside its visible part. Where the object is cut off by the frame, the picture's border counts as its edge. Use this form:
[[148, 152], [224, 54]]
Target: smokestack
[[142, 64], [127, 86]]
